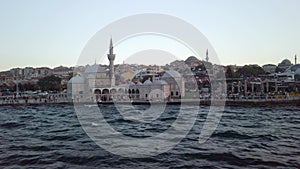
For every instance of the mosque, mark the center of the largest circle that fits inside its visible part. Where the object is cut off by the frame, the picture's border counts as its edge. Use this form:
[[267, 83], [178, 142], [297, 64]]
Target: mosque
[[98, 84]]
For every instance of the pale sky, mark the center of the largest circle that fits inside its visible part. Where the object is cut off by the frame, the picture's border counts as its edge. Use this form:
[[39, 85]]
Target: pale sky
[[54, 32]]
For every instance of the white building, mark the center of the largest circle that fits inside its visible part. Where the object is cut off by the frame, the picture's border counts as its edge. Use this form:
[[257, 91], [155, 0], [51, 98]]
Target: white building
[[97, 83]]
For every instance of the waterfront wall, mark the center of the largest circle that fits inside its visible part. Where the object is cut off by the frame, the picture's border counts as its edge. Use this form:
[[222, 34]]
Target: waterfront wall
[[62, 99]]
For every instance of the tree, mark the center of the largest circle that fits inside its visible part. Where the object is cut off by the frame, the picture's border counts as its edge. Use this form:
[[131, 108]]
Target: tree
[[229, 72], [297, 77], [48, 83], [70, 75], [250, 71], [278, 70], [30, 86], [3, 87]]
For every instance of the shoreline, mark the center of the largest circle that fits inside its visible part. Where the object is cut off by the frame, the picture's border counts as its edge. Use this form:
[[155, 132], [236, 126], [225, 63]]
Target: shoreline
[[228, 102]]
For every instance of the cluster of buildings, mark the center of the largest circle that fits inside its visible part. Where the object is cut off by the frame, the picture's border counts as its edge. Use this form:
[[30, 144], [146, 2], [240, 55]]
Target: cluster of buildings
[[282, 80], [179, 79], [31, 76], [190, 78]]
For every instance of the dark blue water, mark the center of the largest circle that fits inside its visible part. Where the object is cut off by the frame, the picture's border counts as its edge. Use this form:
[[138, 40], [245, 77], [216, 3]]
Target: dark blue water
[[51, 137]]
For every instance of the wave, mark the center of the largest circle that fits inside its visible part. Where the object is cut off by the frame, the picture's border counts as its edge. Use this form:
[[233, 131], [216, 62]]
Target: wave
[[232, 134], [232, 159], [10, 125]]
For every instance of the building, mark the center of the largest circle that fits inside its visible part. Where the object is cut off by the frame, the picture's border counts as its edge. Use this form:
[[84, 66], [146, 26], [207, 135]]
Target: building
[[285, 64], [177, 85], [92, 80], [41, 72], [28, 72], [97, 83], [61, 71], [157, 90]]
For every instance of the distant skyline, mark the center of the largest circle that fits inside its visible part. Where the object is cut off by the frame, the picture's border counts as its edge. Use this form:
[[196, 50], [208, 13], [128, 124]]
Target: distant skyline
[[53, 33]]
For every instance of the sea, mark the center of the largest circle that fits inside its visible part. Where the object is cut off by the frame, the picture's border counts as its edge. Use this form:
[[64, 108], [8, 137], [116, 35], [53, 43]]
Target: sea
[[51, 136]]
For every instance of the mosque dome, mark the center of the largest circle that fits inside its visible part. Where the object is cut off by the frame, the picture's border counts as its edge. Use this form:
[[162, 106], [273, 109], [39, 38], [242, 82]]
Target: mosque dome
[[286, 62], [131, 83], [147, 82], [171, 74], [77, 80], [160, 82], [191, 59]]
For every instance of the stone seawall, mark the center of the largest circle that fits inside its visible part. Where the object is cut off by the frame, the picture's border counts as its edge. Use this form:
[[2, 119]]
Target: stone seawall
[[207, 102]]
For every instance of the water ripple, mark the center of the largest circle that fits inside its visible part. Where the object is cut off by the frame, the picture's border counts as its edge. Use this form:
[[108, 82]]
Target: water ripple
[[51, 137]]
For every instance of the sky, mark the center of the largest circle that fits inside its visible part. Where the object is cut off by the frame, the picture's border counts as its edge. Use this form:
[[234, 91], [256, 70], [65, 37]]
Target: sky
[[54, 32]]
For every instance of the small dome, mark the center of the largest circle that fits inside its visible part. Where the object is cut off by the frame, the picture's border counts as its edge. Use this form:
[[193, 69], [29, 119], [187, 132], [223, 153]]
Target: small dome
[[286, 62], [171, 74], [160, 82], [147, 82], [131, 83], [139, 83], [191, 59], [91, 69], [76, 80]]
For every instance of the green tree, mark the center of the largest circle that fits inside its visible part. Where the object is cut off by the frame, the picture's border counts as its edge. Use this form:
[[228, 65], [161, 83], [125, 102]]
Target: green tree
[[229, 72], [30, 86], [70, 75], [3, 86], [250, 71], [278, 70], [48, 83], [297, 77]]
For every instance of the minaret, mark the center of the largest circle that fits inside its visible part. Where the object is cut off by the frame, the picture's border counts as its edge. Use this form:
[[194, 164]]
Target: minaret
[[206, 55], [296, 59], [111, 57]]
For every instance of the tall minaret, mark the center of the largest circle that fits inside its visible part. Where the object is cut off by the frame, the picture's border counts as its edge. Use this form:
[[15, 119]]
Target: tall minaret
[[111, 57], [206, 55], [296, 59]]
